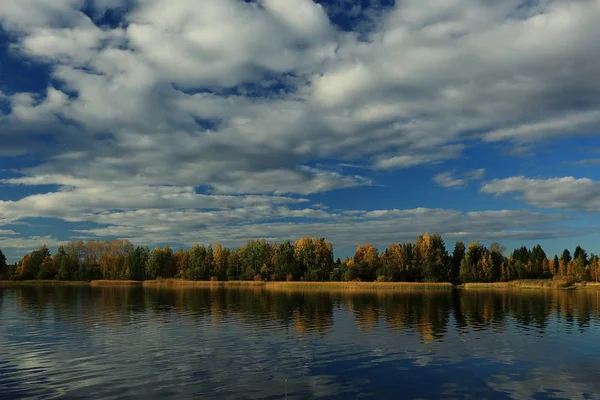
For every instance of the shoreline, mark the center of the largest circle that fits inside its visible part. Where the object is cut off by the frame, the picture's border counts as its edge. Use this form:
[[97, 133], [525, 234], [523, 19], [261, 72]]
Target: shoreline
[[43, 283], [297, 285], [543, 284]]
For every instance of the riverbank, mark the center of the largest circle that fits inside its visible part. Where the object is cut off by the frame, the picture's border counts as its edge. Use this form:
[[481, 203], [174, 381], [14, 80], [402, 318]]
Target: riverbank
[[44, 283], [107, 282], [357, 286], [563, 284], [180, 283]]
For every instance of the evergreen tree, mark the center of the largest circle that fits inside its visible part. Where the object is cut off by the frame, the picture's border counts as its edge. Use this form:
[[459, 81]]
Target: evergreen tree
[[3, 266], [136, 261], [457, 256]]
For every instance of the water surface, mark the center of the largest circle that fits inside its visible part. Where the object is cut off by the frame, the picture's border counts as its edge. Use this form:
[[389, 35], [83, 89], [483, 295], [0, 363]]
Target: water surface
[[82, 342]]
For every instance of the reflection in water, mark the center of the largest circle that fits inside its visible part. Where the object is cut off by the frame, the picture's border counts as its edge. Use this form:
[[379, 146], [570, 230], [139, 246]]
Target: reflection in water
[[113, 342]]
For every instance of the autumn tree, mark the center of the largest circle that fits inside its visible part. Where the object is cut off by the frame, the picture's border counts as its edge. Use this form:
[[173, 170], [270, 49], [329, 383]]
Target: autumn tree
[[322, 265], [78, 269], [594, 267], [536, 262], [555, 265], [393, 264], [472, 264], [47, 270], [29, 266], [564, 260], [365, 264], [304, 254], [220, 262], [433, 257], [112, 259]]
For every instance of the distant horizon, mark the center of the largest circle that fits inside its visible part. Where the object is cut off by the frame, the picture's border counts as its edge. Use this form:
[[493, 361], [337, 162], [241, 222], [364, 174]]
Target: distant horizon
[[176, 122]]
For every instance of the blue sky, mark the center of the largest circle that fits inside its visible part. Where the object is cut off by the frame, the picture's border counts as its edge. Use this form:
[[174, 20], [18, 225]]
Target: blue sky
[[180, 122]]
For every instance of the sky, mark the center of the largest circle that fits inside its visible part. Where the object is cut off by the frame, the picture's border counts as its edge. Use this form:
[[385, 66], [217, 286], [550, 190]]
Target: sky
[[182, 121]]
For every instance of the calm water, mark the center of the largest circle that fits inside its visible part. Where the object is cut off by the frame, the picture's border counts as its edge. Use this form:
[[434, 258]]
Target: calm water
[[71, 342]]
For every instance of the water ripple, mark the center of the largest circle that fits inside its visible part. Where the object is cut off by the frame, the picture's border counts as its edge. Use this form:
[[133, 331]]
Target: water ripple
[[132, 343]]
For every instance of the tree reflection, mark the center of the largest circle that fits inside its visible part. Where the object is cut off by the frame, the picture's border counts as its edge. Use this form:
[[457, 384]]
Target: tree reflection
[[429, 314]]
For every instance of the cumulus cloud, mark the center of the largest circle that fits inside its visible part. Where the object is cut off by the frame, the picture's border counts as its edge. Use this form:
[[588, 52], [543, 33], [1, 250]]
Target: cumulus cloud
[[447, 180], [226, 106], [567, 193], [475, 174], [234, 227], [564, 125]]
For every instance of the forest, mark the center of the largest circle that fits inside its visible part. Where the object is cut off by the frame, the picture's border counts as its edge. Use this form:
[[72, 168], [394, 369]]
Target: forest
[[307, 259]]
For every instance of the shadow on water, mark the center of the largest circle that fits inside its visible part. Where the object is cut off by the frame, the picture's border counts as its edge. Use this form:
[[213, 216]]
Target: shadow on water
[[114, 342]]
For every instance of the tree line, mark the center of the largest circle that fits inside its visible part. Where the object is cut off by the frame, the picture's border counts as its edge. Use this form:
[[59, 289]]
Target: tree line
[[307, 259]]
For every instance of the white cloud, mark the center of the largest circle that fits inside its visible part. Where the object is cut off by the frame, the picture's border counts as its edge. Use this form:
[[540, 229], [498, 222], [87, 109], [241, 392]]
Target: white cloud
[[238, 98], [235, 227], [567, 193], [475, 174], [26, 242], [556, 126], [446, 179], [411, 160]]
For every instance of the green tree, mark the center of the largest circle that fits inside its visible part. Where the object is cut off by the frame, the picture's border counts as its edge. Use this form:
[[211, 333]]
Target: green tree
[[323, 263], [233, 265], [256, 259], [3, 266], [285, 267], [457, 256], [536, 260], [29, 266], [581, 259], [135, 262], [159, 261], [63, 264], [566, 256], [304, 254], [366, 263], [220, 262], [471, 267], [434, 257], [392, 263], [197, 270]]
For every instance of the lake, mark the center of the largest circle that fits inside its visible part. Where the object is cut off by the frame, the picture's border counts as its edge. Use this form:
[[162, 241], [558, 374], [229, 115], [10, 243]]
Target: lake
[[84, 342]]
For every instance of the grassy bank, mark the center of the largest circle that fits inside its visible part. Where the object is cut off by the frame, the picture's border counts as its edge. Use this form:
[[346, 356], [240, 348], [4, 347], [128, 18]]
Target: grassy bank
[[44, 283], [525, 284], [115, 283], [305, 286], [179, 283]]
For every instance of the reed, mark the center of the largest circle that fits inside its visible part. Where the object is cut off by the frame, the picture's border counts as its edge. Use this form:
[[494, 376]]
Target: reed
[[44, 283], [115, 283], [588, 285], [180, 283], [523, 284]]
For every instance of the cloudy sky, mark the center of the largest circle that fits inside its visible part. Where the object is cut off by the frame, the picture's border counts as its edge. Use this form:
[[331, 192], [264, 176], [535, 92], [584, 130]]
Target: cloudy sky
[[184, 121]]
